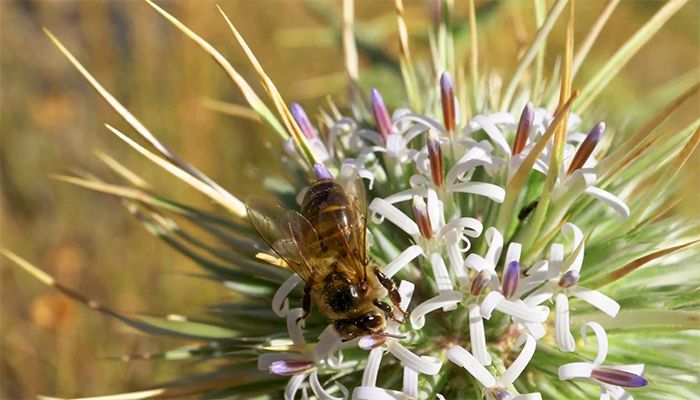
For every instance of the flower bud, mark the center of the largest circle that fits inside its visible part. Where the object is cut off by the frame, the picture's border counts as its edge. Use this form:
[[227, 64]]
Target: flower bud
[[420, 213], [526, 119], [435, 158], [618, 377], [511, 276], [303, 121], [586, 148], [381, 114], [448, 102]]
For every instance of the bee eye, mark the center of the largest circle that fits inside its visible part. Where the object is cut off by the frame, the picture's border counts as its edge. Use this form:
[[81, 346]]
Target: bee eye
[[372, 321]]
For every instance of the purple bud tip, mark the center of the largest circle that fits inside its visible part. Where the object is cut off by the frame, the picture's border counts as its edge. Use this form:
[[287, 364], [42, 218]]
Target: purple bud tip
[[448, 102], [499, 394], [526, 119], [381, 114], [302, 120], [586, 148], [370, 342], [511, 276], [569, 279], [480, 280], [420, 213], [321, 172], [619, 378], [289, 367]]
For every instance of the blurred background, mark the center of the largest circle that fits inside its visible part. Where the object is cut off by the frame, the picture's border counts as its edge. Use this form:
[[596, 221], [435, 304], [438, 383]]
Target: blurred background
[[52, 123]]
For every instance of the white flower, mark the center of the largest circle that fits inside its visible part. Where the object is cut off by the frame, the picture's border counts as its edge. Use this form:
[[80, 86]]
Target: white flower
[[611, 379]]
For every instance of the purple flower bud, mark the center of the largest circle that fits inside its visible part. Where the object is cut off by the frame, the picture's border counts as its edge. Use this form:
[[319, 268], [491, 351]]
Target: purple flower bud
[[499, 394], [289, 367], [569, 279], [420, 213], [586, 148], [480, 280], [435, 158], [448, 102], [511, 276], [303, 121], [618, 377], [370, 342], [381, 114], [322, 172], [526, 119]]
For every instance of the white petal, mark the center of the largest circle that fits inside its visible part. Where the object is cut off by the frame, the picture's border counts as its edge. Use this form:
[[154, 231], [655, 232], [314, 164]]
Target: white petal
[[456, 260], [410, 383], [293, 385], [442, 277], [423, 364], [493, 192], [402, 260], [536, 329], [477, 336], [518, 366], [495, 243], [539, 296], [556, 258], [328, 343], [610, 200], [435, 211], [489, 303], [637, 369], [522, 311], [406, 291], [493, 132], [570, 228], [563, 336], [445, 299], [530, 282], [280, 303], [375, 393], [513, 253], [596, 299], [602, 338], [393, 214], [293, 327], [468, 226], [406, 195], [478, 263], [369, 375], [322, 393], [528, 396], [575, 370], [466, 360]]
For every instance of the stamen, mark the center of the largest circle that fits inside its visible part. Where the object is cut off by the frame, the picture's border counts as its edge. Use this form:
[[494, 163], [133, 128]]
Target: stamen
[[435, 157], [381, 114], [526, 119], [289, 367], [420, 212], [479, 282], [511, 276], [569, 279], [321, 172], [618, 377], [303, 121], [586, 148], [448, 102]]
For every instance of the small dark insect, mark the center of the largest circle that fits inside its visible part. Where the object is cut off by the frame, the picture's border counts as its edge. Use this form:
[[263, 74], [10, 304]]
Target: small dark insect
[[325, 245], [527, 210]]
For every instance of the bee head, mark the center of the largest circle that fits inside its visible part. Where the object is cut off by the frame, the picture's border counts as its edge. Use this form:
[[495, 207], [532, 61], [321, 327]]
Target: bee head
[[366, 324]]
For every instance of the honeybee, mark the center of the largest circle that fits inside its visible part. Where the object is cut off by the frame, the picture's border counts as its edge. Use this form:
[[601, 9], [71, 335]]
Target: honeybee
[[325, 244]]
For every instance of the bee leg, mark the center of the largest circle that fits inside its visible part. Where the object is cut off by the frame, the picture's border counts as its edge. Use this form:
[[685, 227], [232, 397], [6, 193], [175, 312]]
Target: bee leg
[[387, 309], [394, 294], [306, 303]]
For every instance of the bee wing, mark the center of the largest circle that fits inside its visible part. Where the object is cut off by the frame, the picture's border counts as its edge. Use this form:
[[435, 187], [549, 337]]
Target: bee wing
[[288, 233], [356, 189]]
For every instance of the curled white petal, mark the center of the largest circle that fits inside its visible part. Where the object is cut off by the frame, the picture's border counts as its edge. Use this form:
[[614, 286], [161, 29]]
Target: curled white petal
[[423, 364], [322, 393], [575, 370], [402, 260], [406, 195], [293, 385], [442, 277], [489, 303], [578, 241], [280, 303], [410, 383], [513, 253], [601, 337], [563, 336], [523, 311], [369, 376], [456, 260], [610, 200], [492, 131], [489, 190], [393, 214], [376, 393], [495, 243], [596, 299], [458, 355], [518, 366], [536, 329], [468, 226], [445, 299], [477, 336], [293, 327]]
